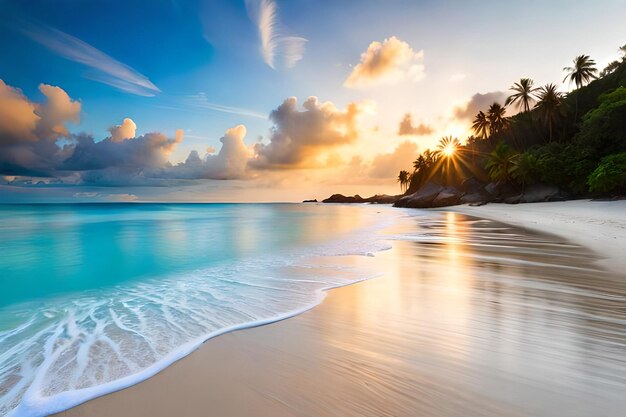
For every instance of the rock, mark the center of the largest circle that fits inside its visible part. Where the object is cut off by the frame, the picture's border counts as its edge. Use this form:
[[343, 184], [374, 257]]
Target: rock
[[500, 190], [515, 199], [449, 196], [538, 193], [422, 198], [382, 199], [476, 198], [310, 201], [472, 186], [340, 198]]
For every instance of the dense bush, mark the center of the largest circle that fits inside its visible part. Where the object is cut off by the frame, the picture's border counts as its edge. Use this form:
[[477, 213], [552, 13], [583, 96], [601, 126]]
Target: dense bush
[[610, 175]]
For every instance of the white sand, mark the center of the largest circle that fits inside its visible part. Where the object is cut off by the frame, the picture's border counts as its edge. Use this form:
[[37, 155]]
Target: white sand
[[598, 225]]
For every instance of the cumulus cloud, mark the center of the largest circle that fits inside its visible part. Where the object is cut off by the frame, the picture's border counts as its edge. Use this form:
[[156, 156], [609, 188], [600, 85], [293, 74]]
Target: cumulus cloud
[[147, 151], [389, 63], [107, 70], [298, 136], [389, 164], [479, 102], [406, 127], [277, 48], [126, 130], [17, 116], [231, 162], [29, 131]]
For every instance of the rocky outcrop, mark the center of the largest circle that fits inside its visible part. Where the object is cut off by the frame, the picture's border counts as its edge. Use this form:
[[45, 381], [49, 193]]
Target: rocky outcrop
[[340, 198], [375, 199], [382, 199], [422, 198], [500, 190], [479, 198], [310, 201], [449, 196], [538, 193]]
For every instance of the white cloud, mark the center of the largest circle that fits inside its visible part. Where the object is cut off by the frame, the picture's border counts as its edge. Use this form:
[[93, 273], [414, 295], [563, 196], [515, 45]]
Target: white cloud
[[276, 47], [389, 62], [108, 70]]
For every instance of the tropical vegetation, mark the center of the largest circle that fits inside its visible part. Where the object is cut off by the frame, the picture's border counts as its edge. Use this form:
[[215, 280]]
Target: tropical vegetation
[[575, 140]]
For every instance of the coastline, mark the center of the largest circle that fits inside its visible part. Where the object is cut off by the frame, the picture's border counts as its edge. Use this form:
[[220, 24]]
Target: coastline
[[598, 225], [286, 368]]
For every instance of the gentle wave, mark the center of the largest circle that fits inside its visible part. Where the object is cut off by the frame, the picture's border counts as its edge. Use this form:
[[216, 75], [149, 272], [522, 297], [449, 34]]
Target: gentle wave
[[66, 351]]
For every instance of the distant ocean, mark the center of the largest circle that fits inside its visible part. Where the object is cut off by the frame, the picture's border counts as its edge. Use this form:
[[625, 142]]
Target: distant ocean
[[97, 297]]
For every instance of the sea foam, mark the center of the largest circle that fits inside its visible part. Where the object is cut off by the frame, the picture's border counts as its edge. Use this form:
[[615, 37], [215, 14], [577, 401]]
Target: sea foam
[[69, 349]]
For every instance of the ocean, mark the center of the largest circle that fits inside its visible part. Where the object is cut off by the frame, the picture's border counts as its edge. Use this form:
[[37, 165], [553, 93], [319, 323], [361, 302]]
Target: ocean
[[464, 316], [97, 297]]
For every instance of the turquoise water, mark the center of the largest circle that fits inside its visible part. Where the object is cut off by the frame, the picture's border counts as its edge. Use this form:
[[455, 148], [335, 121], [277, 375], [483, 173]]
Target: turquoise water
[[96, 297]]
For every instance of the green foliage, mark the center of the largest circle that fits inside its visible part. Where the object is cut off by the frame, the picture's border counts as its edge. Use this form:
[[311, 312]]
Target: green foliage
[[500, 161], [525, 168], [575, 141], [610, 175]]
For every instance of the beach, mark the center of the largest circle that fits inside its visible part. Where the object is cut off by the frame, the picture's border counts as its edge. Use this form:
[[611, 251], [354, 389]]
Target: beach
[[598, 225], [466, 317]]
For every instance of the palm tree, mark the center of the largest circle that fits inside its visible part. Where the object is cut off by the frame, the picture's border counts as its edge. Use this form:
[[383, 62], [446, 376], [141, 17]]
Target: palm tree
[[403, 179], [480, 126], [523, 94], [500, 161], [496, 118], [583, 71], [550, 106]]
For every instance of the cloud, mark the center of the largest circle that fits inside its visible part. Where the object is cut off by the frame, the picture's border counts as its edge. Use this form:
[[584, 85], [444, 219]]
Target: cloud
[[107, 70], [17, 116], [201, 101], [389, 164], [231, 162], [388, 63], [29, 131], [126, 130], [151, 150], [298, 136], [479, 102], [276, 47], [406, 127]]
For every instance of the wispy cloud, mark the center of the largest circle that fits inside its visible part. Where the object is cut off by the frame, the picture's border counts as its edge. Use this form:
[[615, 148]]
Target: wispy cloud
[[275, 45], [108, 70], [201, 101]]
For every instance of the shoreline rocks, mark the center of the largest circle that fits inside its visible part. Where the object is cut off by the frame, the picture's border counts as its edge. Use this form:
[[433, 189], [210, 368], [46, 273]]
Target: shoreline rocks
[[471, 192]]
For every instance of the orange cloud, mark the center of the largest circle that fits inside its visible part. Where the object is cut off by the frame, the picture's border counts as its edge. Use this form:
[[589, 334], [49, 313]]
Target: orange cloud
[[388, 62], [126, 130]]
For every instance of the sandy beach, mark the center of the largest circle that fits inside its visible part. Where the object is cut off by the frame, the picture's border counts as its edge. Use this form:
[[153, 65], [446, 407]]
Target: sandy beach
[[515, 323], [598, 225]]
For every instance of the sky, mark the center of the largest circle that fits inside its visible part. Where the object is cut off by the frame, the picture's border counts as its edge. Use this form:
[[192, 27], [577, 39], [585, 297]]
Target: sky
[[262, 100]]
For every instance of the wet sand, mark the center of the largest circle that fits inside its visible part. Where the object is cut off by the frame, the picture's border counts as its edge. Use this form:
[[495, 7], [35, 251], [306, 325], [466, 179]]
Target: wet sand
[[468, 318], [599, 225]]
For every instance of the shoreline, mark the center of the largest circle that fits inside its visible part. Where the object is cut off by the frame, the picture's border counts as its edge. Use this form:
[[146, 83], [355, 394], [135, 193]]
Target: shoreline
[[597, 225], [226, 369]]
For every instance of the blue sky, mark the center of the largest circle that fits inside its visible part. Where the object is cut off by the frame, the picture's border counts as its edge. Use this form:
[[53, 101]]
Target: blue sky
[[206, 54]]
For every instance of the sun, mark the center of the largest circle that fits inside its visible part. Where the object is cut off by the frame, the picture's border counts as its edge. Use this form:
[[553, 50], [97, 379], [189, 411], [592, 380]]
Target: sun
[[449, 150]]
